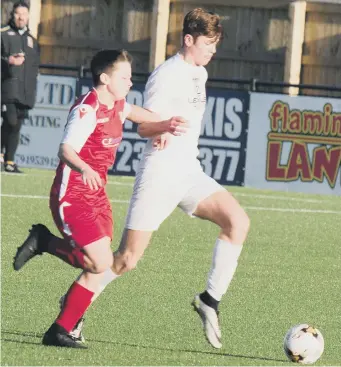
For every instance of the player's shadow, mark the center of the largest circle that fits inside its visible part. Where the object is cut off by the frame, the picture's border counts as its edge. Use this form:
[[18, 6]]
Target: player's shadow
[[134, 345], [12, 334], [188, 351]]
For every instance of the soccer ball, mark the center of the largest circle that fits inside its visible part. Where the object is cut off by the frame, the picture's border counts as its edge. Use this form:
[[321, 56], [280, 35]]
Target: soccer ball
[[303, 344]]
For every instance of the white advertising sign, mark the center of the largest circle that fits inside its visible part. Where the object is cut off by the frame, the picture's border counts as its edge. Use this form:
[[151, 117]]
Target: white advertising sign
[[41, 133], [294, 144]]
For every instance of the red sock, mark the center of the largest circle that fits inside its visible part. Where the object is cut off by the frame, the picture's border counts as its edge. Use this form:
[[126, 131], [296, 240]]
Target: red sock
[[76, 302], [64, 251]]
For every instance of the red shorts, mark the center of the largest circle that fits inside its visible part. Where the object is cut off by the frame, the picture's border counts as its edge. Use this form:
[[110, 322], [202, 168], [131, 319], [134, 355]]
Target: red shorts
[[81, 222]]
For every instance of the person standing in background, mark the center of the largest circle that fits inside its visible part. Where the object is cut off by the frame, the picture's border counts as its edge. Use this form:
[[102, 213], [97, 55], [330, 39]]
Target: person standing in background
[[19, 71]]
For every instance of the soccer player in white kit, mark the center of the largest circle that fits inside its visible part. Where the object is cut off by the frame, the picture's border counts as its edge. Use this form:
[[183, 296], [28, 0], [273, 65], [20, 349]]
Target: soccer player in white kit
[[173, 176]]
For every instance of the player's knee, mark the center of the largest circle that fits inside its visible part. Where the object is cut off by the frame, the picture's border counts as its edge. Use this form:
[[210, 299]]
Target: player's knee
[[245, 223], [130, 261], [238, 223], [242, 220], [124, 262], [101, 265]]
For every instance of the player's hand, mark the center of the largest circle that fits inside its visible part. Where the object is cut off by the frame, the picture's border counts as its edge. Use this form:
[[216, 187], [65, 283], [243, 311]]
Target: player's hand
[[16, 59], [176, 126], [91, 178], [161, 142]]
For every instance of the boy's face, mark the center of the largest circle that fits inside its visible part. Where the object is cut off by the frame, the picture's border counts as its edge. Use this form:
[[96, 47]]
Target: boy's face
[[202, 49], [21, 15], [119, 82]]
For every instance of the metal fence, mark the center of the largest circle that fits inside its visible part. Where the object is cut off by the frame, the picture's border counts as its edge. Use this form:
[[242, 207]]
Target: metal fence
[[252, 85]]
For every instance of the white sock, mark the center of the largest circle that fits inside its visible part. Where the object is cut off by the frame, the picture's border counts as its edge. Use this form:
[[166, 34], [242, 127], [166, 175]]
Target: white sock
[[108, 277], [224, 265]]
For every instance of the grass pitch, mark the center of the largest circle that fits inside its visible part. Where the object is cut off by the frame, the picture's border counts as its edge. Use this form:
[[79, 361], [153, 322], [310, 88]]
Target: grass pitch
[[289, 273]]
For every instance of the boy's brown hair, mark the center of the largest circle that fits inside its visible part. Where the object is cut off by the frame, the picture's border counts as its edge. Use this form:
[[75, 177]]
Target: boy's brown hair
[[200, 22], [105, 60]]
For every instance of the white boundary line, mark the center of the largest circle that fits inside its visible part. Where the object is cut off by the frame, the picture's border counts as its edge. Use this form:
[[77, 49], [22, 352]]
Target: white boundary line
[[256, 208], [282, 197], [50, 177], [46, 197], [292, 210], [237, 194]]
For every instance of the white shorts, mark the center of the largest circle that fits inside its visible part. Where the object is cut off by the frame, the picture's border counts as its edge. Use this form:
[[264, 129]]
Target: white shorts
[[155, 198]]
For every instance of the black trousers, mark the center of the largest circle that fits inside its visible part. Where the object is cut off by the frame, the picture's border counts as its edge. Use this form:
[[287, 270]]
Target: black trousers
[[13, 116]]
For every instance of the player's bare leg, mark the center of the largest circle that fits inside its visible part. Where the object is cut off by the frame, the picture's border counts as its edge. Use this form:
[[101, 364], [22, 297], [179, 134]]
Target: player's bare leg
[[131, 249], [224, 210]]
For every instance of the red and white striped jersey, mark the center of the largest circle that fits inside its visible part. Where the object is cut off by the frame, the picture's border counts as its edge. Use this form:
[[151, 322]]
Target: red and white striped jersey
[[94, 132]]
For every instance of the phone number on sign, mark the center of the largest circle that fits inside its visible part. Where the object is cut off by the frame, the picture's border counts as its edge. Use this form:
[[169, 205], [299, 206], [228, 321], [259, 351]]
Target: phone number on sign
[[36, 160], [220, 164]]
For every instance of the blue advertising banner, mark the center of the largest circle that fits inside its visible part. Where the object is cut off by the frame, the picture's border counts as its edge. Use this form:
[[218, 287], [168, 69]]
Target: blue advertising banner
[[222, 143]]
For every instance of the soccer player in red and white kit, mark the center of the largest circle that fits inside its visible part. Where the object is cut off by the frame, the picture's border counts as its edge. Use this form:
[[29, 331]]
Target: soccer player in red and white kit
[[79, 204], [173, 177]]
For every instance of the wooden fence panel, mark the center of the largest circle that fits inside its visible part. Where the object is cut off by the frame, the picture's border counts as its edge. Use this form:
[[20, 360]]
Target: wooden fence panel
[[77, 29], [254, 40], [6, 7], [321, 60], [255, 35]]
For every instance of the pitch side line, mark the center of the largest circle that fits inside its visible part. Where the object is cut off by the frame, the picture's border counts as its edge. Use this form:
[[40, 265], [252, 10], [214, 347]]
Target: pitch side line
[[46, 197], [257, 196], [285, 198], [256, 208]]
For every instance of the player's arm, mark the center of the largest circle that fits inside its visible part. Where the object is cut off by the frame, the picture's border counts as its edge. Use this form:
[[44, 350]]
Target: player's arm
[[159, 92], [90, 177], [68, 155], [150, 123], [81, 123]]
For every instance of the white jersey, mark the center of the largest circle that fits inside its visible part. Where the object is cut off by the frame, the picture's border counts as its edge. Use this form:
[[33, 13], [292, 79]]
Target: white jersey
[[172, 177], [176, 88]]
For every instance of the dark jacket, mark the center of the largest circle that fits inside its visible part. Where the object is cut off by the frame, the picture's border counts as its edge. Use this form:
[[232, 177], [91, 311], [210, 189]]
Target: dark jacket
[[18, 83]]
